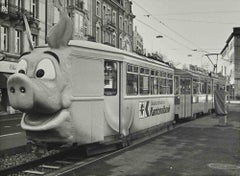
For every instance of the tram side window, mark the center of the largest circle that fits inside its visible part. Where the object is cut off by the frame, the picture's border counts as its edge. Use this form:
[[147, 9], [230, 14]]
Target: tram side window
[[110, 78], [169, 86], [185, 86], [132, 80], [209, 88], [176, 84], [204, 87], [144, 81], [154, 82], [195, 86], [162, 85]]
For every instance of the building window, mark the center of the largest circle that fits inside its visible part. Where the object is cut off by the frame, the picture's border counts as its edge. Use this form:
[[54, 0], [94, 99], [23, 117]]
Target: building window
[[114, 18], [110, 78], [78, 20], [4, 6], [130, 28], [98, 34], [35, 40], [120, 22], [125, 27], [98, 9], [120, 42], [4, 38], [18, 42], [34, 8], [79, 4], [108, 15], [104, 14], [114, 39], [18, 3]]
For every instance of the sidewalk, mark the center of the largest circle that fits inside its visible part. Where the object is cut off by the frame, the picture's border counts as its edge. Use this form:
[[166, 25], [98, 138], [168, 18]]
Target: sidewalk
[[197, 148]]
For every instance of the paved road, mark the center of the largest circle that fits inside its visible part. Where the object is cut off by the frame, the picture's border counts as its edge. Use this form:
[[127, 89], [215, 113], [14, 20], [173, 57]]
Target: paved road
[[11, 134], [10, 124], [198, 148]]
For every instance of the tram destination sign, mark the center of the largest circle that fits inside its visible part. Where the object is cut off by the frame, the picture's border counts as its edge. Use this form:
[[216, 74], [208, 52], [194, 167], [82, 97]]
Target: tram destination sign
[[152, 108]]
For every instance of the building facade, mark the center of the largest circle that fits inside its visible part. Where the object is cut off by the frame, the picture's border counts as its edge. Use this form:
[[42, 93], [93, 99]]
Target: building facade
[[112, 23], [231, 55], [14, 39], [104, 21], [137, 42]]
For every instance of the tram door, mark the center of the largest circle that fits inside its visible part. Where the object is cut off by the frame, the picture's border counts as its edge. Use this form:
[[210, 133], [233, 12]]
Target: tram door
[[186, 102], [112, 93]]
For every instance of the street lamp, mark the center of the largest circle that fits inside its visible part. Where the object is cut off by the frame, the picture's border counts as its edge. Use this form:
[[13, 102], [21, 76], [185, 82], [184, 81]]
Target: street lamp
[[159, 36]]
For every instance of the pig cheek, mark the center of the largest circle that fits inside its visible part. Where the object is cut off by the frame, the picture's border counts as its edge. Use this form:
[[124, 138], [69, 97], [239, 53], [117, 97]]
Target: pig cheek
[[48, 96], [66, 98]]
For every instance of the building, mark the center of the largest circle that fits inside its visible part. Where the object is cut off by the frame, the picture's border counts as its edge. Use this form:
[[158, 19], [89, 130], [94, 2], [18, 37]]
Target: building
[[231, 55], [14, 40], [112, 23], [105, 21], [137, 42], [80, 11]]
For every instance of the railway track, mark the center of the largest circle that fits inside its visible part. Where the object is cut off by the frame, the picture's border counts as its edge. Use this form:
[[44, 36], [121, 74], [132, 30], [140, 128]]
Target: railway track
[[72, 159], [47, 164]]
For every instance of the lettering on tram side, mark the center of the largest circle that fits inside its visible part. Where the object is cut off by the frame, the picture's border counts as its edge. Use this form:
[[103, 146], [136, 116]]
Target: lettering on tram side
[[152, 108]]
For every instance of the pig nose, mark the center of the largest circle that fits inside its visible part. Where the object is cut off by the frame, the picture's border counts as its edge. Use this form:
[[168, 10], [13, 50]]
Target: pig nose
[[20, 92]]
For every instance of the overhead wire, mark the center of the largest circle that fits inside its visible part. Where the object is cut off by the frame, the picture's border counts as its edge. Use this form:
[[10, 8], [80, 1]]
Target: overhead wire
[[170, 38], [169, 28]]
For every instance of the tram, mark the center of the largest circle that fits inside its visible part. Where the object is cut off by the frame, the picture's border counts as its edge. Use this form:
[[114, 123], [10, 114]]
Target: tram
[[104, 93], [194, 92], [81, 92]]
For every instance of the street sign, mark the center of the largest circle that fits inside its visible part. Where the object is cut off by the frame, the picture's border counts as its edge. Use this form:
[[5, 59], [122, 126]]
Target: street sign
[[8, 67]]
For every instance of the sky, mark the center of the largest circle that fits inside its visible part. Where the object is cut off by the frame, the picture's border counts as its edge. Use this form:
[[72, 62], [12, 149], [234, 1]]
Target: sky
[[190, 28]]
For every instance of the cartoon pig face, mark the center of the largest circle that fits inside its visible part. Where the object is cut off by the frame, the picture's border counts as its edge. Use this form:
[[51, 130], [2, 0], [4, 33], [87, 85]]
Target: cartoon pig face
[[39, 88]]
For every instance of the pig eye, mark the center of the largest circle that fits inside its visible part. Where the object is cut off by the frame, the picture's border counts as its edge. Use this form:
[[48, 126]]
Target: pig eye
[[22, 67], [45, 70]]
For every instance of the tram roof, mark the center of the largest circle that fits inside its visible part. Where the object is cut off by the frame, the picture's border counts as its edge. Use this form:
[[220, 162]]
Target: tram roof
[[189, 73], [105, 48]]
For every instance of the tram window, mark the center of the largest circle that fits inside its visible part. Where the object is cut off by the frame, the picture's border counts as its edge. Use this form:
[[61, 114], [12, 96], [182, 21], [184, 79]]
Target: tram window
[[204, 87], [110, 78], [144, 85], [195, 86], [169, 86], [176, 85], [132, 80], [162, 85], [132, 84], [154, 85], [209, 88], [185, 86], [169, 75]]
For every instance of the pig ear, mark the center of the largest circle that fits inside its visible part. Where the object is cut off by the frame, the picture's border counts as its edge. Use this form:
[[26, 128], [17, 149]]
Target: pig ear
[[60, 34]]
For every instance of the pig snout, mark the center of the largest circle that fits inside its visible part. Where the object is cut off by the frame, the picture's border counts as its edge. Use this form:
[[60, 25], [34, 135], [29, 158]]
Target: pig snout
[[20, 92]]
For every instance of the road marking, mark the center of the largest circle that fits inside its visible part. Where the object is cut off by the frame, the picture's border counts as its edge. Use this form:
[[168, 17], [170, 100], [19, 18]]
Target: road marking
[[17, 118], [6, 126], [11, 134]]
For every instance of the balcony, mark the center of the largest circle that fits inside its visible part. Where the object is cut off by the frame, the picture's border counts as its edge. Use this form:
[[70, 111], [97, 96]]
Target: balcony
[[111, 26], [13, 12], [78, 5]]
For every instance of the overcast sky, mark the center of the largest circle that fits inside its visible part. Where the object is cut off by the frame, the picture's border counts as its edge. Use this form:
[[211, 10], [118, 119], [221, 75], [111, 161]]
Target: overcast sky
[[186, 25]]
